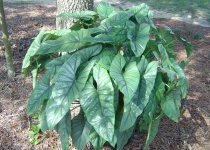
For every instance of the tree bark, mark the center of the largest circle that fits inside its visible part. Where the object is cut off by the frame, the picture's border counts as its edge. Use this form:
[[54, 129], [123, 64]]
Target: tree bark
[[5, 38], [71, 6]]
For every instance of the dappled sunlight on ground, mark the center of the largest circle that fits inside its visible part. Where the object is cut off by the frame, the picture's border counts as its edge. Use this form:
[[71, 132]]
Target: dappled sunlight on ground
[[192, 131]]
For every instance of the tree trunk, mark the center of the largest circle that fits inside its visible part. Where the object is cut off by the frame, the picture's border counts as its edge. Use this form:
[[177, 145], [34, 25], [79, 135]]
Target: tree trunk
[[71, 6], [5, 38]]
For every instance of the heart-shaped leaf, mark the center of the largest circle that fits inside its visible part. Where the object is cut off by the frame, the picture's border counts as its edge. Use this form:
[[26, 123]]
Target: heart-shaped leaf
[[80, 131], [139, 39], [64, 129], [41, 92], [98, 104], [67, 43], [171, 104], [96, 140], [126, 80], [140, 11], [31, 51], [104, 9], [67, 88]]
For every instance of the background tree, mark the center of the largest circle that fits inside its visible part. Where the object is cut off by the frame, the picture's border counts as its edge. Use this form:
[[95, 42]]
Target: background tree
[[5, 38], [71, 6]]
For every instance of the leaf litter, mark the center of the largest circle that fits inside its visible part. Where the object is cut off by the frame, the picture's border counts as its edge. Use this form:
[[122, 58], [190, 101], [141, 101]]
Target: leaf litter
[[192, 132]]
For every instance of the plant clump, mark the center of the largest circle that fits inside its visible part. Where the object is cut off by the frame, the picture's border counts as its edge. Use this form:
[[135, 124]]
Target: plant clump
[[113, 69]]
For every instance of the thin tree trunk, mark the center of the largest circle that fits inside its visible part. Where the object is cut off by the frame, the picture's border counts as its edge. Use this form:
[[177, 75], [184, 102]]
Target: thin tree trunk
[[71, 6], [5, 38]]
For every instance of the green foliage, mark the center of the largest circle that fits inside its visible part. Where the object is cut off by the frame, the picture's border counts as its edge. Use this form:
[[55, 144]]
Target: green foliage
[[34, 131], [198, 36], [115, 71]]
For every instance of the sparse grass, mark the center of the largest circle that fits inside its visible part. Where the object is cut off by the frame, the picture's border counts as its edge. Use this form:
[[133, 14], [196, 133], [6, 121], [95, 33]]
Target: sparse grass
[[189, 32], [205, 69], [177, 31], [198, 36], [179, 6]]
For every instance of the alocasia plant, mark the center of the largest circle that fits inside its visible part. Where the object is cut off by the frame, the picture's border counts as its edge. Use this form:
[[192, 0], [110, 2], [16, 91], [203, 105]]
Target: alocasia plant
[[114, 69]]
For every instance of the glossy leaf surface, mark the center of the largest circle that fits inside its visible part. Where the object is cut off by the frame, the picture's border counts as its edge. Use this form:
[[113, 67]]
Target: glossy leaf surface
[[64, 129], [96, 140], [152, 131], [140, 11], [104, 9], [123, 137], [41, 92], [147, 81], [67, 89], [98, 104], [171, 104], [139, 39], [67, 43], [126, 80], [80, 131], [32, 50], [43, 119]]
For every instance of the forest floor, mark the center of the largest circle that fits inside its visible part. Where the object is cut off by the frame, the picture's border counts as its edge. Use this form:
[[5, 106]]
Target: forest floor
[[192, 132]]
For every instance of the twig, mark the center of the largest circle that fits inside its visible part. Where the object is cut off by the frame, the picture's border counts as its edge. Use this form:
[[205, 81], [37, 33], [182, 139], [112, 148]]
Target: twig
[[12, 115], [75, 107]]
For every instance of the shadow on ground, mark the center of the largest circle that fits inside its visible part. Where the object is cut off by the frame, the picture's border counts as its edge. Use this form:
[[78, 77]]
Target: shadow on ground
[[192, 131]]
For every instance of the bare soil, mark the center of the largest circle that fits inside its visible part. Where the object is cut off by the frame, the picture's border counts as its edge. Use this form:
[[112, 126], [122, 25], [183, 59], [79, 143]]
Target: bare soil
[[192, 131]]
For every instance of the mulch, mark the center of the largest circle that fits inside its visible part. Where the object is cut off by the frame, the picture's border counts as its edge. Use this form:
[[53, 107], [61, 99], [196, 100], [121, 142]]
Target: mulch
[[191, 132]]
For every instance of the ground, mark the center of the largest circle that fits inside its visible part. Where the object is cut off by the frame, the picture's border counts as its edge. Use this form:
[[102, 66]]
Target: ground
[[192, 131]]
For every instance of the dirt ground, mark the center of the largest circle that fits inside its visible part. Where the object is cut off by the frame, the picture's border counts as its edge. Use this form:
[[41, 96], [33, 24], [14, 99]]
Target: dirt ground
[[191, 133]]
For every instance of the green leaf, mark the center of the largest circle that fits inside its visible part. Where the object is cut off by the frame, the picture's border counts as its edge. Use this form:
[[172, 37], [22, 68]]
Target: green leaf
[[159, 87], [104, 38], [34, 73], [43, 119], [87, 14], [171, 104], [155, 97], [67, 88], [105, 62], [67, 43], [116, 23], [31, 51], [150, 108], [183, 64], [104, 9], [183, 82], [166, 63], [140, 12], [149, 19], [64, 129], [54, 34], [139, 39], [122, 137], [80, 131], [41, 92], [98, 105], [167, 41], [96, 140], [104, 53], [130, 113], [152, 131], [58, 62], [147, 81], [188, 45], [126, 80], [31, 133], [89, 52], [85, 53], [35, 128], [142, 65]]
